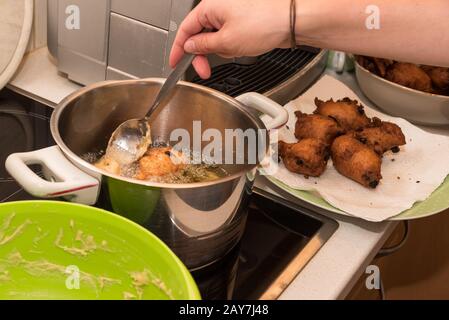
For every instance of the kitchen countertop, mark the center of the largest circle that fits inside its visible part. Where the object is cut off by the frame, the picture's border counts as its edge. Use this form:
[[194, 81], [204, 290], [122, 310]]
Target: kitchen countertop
[[331, 273], [334, 270], [38, 79]]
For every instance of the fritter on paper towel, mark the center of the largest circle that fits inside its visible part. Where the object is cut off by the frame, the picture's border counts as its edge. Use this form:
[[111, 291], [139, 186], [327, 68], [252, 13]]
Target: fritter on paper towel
[[307, 157], [356, 161], [382, 136], [316, 126], [349, 114]]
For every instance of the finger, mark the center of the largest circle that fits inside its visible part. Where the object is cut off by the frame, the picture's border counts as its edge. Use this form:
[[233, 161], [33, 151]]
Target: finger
[[204, 43], [189, 27], [202, 67]]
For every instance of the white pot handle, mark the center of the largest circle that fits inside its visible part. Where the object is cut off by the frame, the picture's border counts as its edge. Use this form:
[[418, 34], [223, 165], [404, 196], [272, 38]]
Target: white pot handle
[[66, 180], [267, 106]]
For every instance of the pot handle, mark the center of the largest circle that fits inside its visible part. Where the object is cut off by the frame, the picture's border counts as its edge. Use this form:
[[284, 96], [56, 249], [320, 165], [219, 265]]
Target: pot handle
[[64, 179], [266, 106]]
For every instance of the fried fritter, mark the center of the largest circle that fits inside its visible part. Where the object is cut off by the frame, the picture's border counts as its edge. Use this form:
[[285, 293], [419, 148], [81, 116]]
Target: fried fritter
[[349, 114], [375, 65], [158, 162], [316, 126], [367, 63], [382, 65], [409, 75], [439, 76], [356, 161], [381, 136], [308, 157]]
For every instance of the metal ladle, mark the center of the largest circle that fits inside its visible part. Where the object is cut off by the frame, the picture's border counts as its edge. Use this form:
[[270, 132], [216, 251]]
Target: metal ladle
[[131, 139]]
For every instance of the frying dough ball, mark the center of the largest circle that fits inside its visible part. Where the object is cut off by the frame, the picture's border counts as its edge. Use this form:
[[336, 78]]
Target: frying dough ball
[[348, 113], [382, 136], [316, 126], [356, 161], [109, 165], [409, 75], [308, 156], [158, 162]]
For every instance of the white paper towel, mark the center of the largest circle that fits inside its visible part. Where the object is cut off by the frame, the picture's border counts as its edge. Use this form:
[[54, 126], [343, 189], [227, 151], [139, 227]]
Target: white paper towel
[[408, 176]]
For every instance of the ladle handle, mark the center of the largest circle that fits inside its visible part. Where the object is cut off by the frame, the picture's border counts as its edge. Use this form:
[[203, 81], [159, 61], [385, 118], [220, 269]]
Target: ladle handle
[[171, 81]]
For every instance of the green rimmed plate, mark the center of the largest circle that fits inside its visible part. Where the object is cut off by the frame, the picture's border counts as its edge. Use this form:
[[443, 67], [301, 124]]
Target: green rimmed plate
[[436, 203]]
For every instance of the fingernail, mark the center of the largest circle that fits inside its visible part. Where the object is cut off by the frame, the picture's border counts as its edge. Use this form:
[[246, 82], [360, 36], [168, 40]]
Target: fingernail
[[190, 46]]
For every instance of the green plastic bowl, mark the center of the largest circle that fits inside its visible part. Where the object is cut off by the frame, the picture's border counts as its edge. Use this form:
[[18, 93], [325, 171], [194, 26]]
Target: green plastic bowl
[[59, 250]]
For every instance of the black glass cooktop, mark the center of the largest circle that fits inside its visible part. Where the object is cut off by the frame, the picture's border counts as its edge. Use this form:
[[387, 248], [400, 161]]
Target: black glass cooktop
[[269, 256], [278, 242], [24, 126]]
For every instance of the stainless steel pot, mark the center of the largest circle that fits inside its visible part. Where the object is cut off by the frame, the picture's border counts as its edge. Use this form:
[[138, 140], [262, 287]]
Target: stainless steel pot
[[201, 222]]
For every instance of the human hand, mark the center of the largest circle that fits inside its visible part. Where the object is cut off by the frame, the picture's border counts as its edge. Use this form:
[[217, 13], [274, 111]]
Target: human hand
[[244, 28]]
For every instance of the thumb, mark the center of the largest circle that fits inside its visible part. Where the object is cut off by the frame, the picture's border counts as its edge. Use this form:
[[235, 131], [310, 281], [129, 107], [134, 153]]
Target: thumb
[[204, 43]]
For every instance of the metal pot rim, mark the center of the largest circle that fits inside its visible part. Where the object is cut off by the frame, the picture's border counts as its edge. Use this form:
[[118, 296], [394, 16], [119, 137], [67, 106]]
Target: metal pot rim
[[79, 161]]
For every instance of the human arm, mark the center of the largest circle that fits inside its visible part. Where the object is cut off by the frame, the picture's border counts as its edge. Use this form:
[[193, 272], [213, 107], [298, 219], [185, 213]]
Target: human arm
[[409, 30]]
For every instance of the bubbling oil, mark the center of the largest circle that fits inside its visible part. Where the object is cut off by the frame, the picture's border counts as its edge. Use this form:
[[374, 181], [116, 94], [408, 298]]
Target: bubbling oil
[[188, 173]]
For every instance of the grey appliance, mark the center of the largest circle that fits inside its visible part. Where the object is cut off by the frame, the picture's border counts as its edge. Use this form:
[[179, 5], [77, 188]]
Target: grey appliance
[[127, 39]]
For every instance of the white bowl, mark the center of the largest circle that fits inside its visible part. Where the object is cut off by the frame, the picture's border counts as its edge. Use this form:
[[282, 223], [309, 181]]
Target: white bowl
[[414, 105]]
